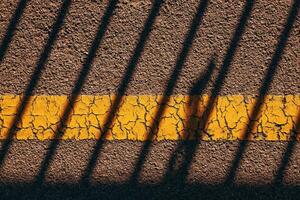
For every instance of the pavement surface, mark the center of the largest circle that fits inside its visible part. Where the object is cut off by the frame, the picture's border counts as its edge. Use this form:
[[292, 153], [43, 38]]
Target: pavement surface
[[132, 48]]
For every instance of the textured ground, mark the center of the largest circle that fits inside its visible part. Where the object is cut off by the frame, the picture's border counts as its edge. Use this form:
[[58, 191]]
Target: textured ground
[[143, 47]]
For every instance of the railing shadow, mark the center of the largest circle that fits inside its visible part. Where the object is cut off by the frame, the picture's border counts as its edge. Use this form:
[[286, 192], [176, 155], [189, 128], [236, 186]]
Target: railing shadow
[[198, 88], [169, 89], [192, 129], [33, 80], [130, 69], [11, 28], [263, 91], [147, 191], [288, 153], [59, 132]]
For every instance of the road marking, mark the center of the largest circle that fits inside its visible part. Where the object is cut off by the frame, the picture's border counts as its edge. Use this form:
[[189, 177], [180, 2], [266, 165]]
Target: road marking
[[181, 119]]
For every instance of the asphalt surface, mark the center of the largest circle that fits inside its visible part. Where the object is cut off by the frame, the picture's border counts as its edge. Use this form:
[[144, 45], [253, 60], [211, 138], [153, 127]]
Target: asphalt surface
[[112, 174], [160, 50], [47, 49]]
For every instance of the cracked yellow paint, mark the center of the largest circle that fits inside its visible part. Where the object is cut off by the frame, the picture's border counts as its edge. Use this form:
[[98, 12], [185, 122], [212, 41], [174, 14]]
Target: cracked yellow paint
[[181, 119]]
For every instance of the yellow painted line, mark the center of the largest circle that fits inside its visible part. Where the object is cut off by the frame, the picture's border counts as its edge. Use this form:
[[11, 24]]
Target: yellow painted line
[[227, 120]]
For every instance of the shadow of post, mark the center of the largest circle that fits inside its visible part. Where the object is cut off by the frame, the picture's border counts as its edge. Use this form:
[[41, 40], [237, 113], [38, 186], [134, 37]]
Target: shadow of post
[[33, 80], [130, 69], [169, 89], [76, 91], [224, 70], [288, 153], [192, 129], [263, 90], [11, 28]]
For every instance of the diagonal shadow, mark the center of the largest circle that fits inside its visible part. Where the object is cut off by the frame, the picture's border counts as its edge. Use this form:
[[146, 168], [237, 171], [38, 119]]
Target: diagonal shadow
[[34, 80], [288, 153], [130, 69], [11, 28], [264, 90], [169, 89], [192, 129], [191, 150], [76, 91]]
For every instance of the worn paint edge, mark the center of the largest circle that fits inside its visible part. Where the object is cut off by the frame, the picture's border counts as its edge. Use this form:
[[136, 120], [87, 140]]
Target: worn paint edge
[[182, 119]]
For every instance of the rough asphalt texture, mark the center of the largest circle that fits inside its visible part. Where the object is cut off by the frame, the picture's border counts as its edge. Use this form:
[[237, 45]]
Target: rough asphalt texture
[[112, 174], [111, 177], [158, 58]]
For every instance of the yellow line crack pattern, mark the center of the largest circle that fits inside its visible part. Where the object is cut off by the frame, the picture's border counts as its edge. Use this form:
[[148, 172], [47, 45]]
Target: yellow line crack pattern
[[180, 121]]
